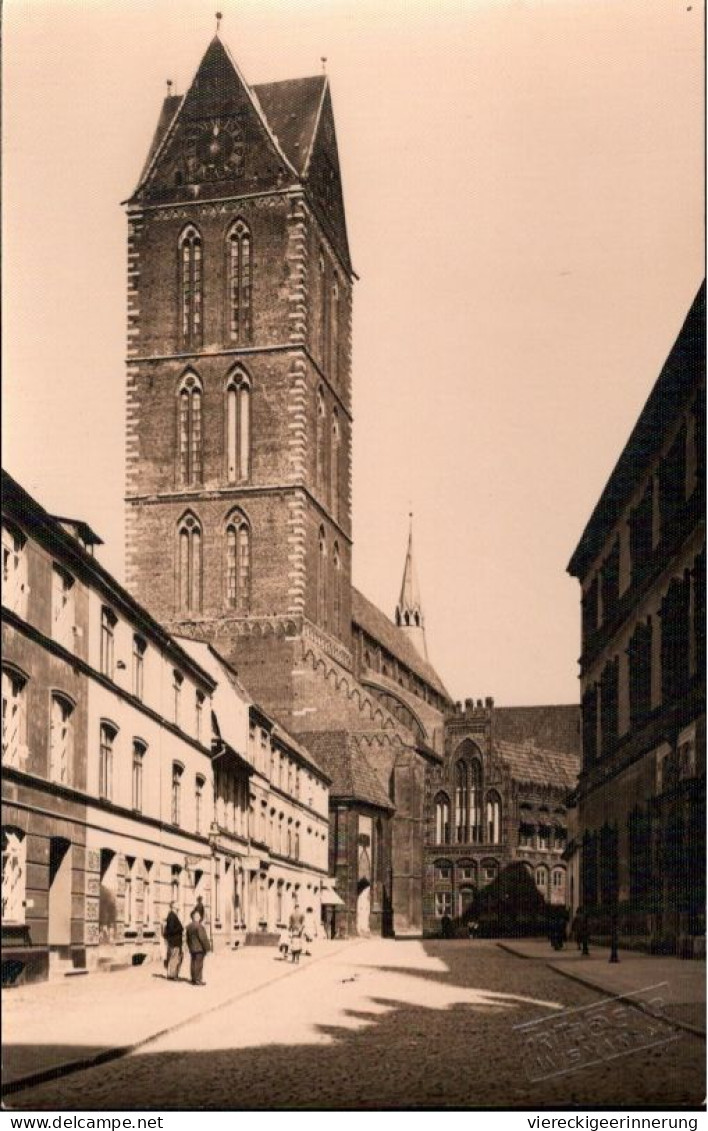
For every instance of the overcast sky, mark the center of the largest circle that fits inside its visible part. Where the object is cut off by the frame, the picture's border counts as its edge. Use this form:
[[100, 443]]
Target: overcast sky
[[524, 191]]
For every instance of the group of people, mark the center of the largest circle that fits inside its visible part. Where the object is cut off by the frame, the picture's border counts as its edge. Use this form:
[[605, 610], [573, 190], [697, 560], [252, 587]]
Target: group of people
[[580, 930], [299, 933], [197, 940]]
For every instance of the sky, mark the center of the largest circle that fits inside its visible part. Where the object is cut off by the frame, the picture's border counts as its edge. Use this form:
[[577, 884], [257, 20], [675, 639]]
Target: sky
[[523, 182]]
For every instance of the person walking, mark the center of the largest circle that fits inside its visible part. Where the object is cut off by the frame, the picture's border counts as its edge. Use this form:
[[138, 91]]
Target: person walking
[[581, 931], [296, 927], [309, 929], [172, 933], [199, 906], [198, 946]]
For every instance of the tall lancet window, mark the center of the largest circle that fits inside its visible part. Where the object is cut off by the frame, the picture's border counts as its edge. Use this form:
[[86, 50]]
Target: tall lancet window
[[238, 427], [324, 313], [320, 440], [189, 561], [476, 830], [240, 281], [461, 803], [337, 589], [322, 579], [190, 253], [238, 563], [334, 465], [189, 426], [334, 332]]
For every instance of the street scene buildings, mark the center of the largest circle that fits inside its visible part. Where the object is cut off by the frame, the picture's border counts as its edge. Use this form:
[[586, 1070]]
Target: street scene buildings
[[240, 729]]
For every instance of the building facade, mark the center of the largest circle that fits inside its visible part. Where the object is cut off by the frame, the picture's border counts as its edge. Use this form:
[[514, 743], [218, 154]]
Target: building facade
[[640, 841], [135, 772], [498, 799]]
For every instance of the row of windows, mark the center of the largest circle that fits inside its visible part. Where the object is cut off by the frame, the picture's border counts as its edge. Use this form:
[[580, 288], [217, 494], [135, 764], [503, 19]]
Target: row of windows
[[650, 521], [237, 428], [239, 293], [549, 882], [682, 629]]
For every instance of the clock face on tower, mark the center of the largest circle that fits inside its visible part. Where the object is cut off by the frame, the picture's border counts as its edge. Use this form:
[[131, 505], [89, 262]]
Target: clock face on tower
[[214, 150]]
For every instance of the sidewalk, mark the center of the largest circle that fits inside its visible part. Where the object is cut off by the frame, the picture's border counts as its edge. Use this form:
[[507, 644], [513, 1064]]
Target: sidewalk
[[54, 1028], [682, 981]]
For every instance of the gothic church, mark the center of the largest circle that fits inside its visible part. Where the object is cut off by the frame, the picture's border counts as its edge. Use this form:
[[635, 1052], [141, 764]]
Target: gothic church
[[238, 495]]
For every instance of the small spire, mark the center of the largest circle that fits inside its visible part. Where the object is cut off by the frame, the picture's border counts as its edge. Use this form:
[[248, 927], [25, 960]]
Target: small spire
[[409, 610], [323, 61], [219, 18], [169, 87]]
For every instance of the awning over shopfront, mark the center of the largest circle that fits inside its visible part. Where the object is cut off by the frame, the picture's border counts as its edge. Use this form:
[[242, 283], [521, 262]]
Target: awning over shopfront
[[329, 898]]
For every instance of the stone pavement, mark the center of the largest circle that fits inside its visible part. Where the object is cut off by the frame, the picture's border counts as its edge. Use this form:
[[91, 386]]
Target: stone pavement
[[385, 1024], [56, 1027], [682, 995]]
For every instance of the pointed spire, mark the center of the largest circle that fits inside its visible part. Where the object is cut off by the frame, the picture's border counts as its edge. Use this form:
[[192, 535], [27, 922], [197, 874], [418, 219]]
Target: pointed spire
[[409, 610], [219, 18]]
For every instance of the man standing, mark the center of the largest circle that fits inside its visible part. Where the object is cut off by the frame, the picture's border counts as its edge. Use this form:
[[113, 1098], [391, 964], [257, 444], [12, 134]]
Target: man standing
[[172, 933], [198, 945], [296, 925]]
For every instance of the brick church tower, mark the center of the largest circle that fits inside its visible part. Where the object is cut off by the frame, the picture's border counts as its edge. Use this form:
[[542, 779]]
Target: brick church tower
[[239, 387]]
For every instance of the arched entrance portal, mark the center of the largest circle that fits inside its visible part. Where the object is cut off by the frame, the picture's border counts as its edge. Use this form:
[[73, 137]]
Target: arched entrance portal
[[363, 908]]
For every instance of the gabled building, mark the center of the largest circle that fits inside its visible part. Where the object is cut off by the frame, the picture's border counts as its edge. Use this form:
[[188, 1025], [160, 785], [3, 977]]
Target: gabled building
[[640, 842]]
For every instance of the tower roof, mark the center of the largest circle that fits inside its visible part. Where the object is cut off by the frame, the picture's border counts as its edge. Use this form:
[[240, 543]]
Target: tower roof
[[410, 589]]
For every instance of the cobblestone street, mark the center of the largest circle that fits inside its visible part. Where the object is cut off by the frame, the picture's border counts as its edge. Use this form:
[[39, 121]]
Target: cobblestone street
[[379, 1023]]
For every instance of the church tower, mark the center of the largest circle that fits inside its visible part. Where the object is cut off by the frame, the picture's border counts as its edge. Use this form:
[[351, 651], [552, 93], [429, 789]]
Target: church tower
[[239, 385], [409, 610]]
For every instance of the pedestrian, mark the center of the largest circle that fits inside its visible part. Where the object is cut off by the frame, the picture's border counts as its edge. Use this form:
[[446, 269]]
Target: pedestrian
[[172, 933], [309, 929], [199, 906], [284, 944], [296, 927], [198, 945], [581, 931]]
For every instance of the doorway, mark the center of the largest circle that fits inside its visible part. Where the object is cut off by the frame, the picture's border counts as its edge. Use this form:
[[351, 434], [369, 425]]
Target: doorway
[[363, 908], [59, 911]]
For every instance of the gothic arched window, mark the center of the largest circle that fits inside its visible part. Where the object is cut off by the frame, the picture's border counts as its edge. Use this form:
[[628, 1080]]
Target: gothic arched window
[[240, 280], [334, 465], [190, 253], [493, 818], [442, 819], [189, 564], [238, 563], [461, 803], [334, 332], [337, 589], [238, 426], [322, 579], [189, 424], [324, 312], [320, 439], [476, 832]]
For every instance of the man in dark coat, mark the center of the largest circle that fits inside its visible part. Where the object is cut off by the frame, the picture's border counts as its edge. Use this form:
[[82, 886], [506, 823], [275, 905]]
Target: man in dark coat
[[172, 933], [198, 946]]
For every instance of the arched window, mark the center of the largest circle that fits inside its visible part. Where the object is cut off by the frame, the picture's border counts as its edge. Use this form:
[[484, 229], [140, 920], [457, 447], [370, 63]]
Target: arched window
[[337, 589], [238, 427], [14, 874], [240, 280], [334, 465], [324, 311], [442, 819], [238, 563], [322, 579], [320, 439], [189, 580], [493, 818], [334, 332], [105, 761], [14, 718], [190, 251], [61, 739], [542, 880], [461, 803], [189, 426], [476, 831]]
